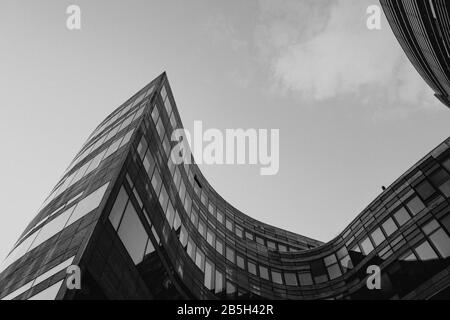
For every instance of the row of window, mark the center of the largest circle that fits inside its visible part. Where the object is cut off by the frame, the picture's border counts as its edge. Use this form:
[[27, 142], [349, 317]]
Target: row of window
[[122, 111], [56, 225], [107, 136], [427, 189], [89, 166], [38, 279]]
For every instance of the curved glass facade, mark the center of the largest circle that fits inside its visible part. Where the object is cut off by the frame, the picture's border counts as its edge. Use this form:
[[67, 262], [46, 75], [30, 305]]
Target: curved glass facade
[[141, 227], [422, 29]]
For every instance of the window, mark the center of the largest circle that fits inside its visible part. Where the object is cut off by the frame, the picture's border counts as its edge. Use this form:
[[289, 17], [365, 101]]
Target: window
[[191, 249], [229, 224], [251, 267], [88, 204], [219, 246], [230, 254], [389, 226], [219, 216], [330, 260], [149, 163], [305, 279], [291, 279], [202, 229], [263, 272], [183, 236], [346, 263], [442, 242], [132, 234], [200, 259], [49, 293], [401, 216], [210, 237], [150, 247], [430, 227], [118, 208], [441, 180], [219, 283], [163, 198], [425, 251], [276, 277], [240, 261], [425, 190], [334, 271], [249, 236], [156, 182], [366, 246], [260, 240], [415, 205], [271, 245], [377, 236], [282, 248], [209, 275], [231, 289], [238, 231], [170, 214]]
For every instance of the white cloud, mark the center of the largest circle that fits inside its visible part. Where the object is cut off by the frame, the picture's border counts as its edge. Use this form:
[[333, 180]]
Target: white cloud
[[323, 50]]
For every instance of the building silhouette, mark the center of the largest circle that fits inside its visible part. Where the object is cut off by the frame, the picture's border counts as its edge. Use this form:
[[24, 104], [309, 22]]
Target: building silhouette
[[423, 30], [140, 227]]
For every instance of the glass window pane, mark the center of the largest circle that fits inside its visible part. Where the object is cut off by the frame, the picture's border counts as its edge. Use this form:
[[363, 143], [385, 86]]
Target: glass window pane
[[200, 259], [156, 182], [291, 279], [330, 260], [442, 242], [263, 272], [415, 205], [149, 163], [229, 225], [366, 246], [163, 198], [230, 254], [183, 236], [430, 227], [305, 279], [210, 237], [49, 293], [209, 273], [219, 283], [251, 267], [401, 216], [132, 233], [425, 251], [334, 271], [219, 246], [377, 236], [231, 289], [276, 277], [425, 190], [118, 208], [240, 261], [389, 226], [346, 263]]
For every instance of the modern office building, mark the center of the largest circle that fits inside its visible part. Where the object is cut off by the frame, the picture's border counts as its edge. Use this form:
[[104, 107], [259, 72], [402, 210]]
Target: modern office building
[[423, 29], [140, 227]]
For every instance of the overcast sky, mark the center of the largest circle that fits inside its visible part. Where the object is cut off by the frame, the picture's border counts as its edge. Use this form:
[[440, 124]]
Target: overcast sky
[[353, 114]]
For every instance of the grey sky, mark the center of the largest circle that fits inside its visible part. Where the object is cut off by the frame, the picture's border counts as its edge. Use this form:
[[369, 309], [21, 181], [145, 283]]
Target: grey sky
[[353, 114]]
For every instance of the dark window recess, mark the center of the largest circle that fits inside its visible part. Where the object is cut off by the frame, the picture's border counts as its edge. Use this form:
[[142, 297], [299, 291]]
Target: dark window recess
[[425, 190]]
